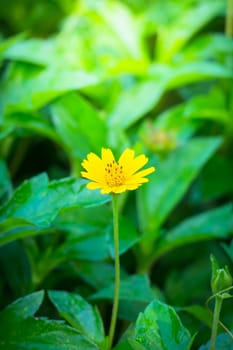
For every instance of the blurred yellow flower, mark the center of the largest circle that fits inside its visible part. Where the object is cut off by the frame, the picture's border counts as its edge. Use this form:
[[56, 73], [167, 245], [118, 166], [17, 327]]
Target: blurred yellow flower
[[112, 176]]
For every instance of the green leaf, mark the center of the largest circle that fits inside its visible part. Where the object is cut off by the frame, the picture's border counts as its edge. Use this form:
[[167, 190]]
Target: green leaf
[[14, 228], [159, 328], [36, 51], [123, 25], [129, 344], [213, 224], [200, 313], [176, 124], [135, 295], [18, 272], [5, 183], [82, 221], [89, 247], [229, 249], [213, 185], [22, 308], [20, 330], [194, 274], [135, 288], [54, 82], [33, 122], [37, 202], [27, 88], [5, 131], [133, 103], [6, 44], [85, 230], [223, 342], [79, 125], [208, 106], [191, 72], [207, 46], [79, 313], [174, 35], [171, 180], [110, 37], [92, 273], [41, 334]]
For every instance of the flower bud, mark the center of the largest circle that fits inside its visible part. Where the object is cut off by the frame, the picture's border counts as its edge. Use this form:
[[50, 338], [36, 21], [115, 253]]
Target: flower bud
[[221, 277]]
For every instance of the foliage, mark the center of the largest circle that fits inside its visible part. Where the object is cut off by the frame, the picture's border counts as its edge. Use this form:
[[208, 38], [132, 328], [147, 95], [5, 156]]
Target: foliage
[[154, 76]]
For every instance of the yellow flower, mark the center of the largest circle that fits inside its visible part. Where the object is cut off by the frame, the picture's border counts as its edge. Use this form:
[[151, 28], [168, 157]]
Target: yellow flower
[[115, 177]]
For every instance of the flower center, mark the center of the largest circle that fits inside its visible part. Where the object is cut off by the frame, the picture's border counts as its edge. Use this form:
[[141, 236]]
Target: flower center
[[114, 174]]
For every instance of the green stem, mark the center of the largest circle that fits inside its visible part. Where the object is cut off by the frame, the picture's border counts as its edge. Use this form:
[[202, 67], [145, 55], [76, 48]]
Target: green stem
[[117, 272], [217, 309]]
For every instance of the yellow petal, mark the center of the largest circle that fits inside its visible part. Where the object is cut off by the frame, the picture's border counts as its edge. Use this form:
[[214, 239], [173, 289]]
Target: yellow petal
[[126, 157], [139, 177], [107, 156], [119, 189], [90, 176], [94, 167], [133, 186], [135, 181], [93, 185], [106, 190], [138, 163], [144, 172], [131, 164], [92, 160]]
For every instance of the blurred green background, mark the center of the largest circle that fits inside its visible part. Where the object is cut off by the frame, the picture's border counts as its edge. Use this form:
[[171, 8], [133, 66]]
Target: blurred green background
[[156, 76]]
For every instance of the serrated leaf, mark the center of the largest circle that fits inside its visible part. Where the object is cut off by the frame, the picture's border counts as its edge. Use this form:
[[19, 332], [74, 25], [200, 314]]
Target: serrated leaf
[[37, 202], [41, 334], [79, 313], [20, 330], [159, 328]]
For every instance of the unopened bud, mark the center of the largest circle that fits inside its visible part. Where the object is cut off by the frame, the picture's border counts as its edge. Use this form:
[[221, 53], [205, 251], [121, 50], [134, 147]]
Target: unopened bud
[[221, 278]]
